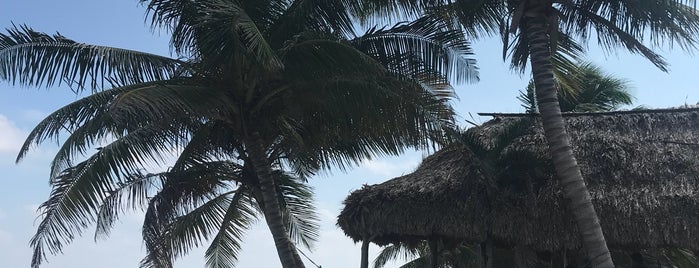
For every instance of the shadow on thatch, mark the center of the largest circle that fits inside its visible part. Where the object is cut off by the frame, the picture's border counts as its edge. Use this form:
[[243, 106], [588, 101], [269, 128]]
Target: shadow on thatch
[[642, 169]]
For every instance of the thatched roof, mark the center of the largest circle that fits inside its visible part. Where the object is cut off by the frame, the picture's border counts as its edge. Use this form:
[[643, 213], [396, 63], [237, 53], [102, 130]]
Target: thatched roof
[[642, 169]]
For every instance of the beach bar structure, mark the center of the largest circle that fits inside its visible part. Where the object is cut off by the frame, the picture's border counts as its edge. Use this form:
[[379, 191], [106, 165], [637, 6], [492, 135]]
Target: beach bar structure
[[641, 167]]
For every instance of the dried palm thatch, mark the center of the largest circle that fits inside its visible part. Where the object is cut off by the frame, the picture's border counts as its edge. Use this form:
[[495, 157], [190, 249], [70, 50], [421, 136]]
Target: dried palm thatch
[[642, 168]]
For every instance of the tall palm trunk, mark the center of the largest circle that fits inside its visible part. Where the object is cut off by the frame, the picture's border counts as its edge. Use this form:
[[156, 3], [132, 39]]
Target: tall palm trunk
[[272, 210], [567, 169]]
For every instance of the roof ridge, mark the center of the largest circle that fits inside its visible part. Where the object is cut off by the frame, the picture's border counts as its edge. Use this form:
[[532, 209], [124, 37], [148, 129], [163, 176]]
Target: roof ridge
[[643, 111]]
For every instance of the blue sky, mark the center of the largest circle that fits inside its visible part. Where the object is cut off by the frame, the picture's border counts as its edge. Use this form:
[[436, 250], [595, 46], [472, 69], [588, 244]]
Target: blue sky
[[122, 24]]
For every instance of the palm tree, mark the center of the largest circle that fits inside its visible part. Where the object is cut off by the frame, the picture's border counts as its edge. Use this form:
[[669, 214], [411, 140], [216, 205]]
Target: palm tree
[[537, 27], [266, 85], [594, 91]]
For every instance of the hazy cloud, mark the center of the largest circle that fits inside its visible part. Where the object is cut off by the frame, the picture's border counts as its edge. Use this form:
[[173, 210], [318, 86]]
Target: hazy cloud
[[33, 115], [11, 137]]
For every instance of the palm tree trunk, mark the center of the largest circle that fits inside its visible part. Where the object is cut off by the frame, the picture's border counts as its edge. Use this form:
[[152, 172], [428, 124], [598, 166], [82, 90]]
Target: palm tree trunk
[[567, 169], [272, 210]]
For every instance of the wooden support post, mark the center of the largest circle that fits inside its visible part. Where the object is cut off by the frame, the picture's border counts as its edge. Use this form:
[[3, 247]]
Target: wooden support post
[[434, 253], [365, 253]]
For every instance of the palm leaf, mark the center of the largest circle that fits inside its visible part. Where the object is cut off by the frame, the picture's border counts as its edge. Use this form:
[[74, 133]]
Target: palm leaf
[[419, 262], [32, 58], [226, 245], [313, 15], [215, 31], [179, 18], [396, 251], [592, 91], [213, 140], [475, 18], [183, 190], [226, 29], [423, 46], [566, 53], [79, 191], [131, 194], [196, 226], [625, 23], [385, 119], [296, 198], [165, 101], [70, 116], [312, 56], [61, 221]]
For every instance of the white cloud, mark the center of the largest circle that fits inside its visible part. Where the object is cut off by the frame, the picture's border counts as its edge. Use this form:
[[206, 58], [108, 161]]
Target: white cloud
[[11, 137], [33, 115]]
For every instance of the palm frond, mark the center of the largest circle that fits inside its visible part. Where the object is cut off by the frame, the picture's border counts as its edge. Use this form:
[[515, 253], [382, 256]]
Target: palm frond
[[296, 198], [169, 101], [215, 31], [182, 190], [598, 91], [312, 56], [70, 117], [396, 251], [610, 36], [213, 140], [184, 232], [566, 53], [179, 18], [226, 29], [587, 89], [79, 191], [626, 23], [31, 58], [419, 262], [327, 16], [527, 98], [337, 138], [424, 46], [194, 227], [61, 221], [682, 258], [475, 18], [131, 194], [225, 246], [382, 10], [669, 22]]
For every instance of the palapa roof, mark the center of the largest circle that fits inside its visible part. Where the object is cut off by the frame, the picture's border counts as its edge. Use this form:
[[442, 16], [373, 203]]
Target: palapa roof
[[641, 167]]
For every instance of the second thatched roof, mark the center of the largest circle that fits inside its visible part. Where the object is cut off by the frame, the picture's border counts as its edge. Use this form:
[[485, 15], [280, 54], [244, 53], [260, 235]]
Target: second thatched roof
[[642, 169]]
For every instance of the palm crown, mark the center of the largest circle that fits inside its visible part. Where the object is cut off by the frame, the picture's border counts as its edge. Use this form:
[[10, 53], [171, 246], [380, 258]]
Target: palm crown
[[258, 87]]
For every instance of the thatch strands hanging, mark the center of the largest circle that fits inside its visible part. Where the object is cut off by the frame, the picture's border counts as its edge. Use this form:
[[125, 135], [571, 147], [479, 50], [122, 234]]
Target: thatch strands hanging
[[642, 168]]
